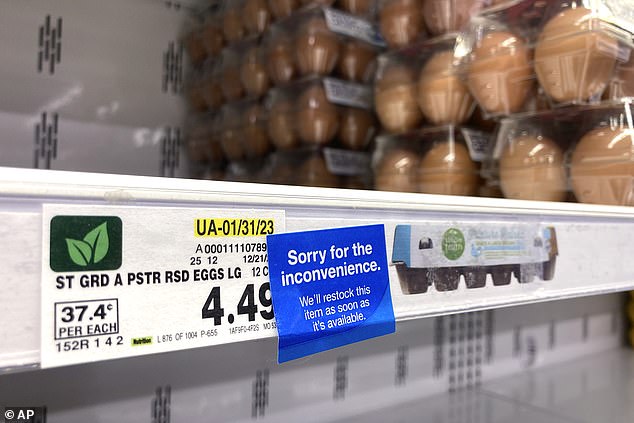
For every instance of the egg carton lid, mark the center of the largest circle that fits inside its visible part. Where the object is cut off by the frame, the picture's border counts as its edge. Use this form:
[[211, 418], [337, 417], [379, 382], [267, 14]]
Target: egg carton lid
[[580, 117]]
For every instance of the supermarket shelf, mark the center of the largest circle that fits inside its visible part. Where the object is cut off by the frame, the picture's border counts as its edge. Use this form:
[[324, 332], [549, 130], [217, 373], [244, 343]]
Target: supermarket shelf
[[592, 239], [401, 377], [598, 388]]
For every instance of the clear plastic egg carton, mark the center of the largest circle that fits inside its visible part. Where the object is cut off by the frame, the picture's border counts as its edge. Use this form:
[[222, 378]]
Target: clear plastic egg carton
[[421, 84], [322, 41], [440, 160], [193, 41], [530, 55], [243, 134], [241, 19], [320, 112], [202, 145], [406, 22], [582, 152], [319, 167]]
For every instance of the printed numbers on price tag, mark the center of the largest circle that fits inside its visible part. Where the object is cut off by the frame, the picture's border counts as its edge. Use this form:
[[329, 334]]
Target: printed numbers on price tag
[[83, 319], [212, 309]]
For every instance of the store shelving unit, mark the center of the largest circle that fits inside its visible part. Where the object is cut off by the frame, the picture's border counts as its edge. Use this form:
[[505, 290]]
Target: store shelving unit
[[492, 355], [25, 191]]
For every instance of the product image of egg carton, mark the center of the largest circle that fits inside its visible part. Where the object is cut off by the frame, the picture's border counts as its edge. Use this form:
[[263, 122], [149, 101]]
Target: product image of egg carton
[[321, 111], [582, 151], [441, 160], [323, 41], [421, 83], [529, 55], [438, 255]]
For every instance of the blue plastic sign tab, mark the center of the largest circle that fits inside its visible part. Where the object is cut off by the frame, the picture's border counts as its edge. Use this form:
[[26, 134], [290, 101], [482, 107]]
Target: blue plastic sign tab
[[329, 288]]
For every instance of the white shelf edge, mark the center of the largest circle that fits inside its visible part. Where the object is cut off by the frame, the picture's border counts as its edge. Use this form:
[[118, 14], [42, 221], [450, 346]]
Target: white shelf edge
[[122, 188]]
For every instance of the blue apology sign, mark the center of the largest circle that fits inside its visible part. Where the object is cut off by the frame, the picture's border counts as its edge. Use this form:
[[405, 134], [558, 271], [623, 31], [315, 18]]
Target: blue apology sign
[[329, 288]]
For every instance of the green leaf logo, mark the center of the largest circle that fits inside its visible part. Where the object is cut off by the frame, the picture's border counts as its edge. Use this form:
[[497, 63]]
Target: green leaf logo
[[92, 249]]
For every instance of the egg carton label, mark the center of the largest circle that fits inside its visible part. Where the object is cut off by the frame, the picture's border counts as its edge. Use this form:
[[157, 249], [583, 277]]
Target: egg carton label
[[352, 26], [469, 244], [344, 162], [478, 143], [348, 93], [126, 281]]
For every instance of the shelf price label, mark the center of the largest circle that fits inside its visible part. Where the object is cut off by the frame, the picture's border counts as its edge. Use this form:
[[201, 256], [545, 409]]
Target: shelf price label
[[126, 281]]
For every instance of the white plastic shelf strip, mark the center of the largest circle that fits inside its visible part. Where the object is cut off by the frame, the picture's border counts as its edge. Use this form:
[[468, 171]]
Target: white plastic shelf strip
[[593, 241], [393, 378]]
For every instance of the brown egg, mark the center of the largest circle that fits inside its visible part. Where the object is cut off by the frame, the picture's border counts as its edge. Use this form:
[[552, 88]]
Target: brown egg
[[442, 96], [572, 62], [253, 74], [212, 38], [231, 143], [625, 76], [197, 144], [211, 92], [282, 8], [500, 76], [532, 168], [317, 118], [356, 61], [395, 99], [256, 16], [447, 169], [442, 16], [602, 167], [356, 7], [195, 97], [256, 140], [281, 60], [401, 22], [195, 47], [315, 173], [316, 48], [231, 86], [356, 129], [232, 25], [397, 171], [281, 125]]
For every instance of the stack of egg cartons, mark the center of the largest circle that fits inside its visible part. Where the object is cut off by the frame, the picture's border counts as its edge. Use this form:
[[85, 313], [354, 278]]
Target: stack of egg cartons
[[556, 75], [320, 60], [203, 40], [431, 140], [550, 78], [292, 83]]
